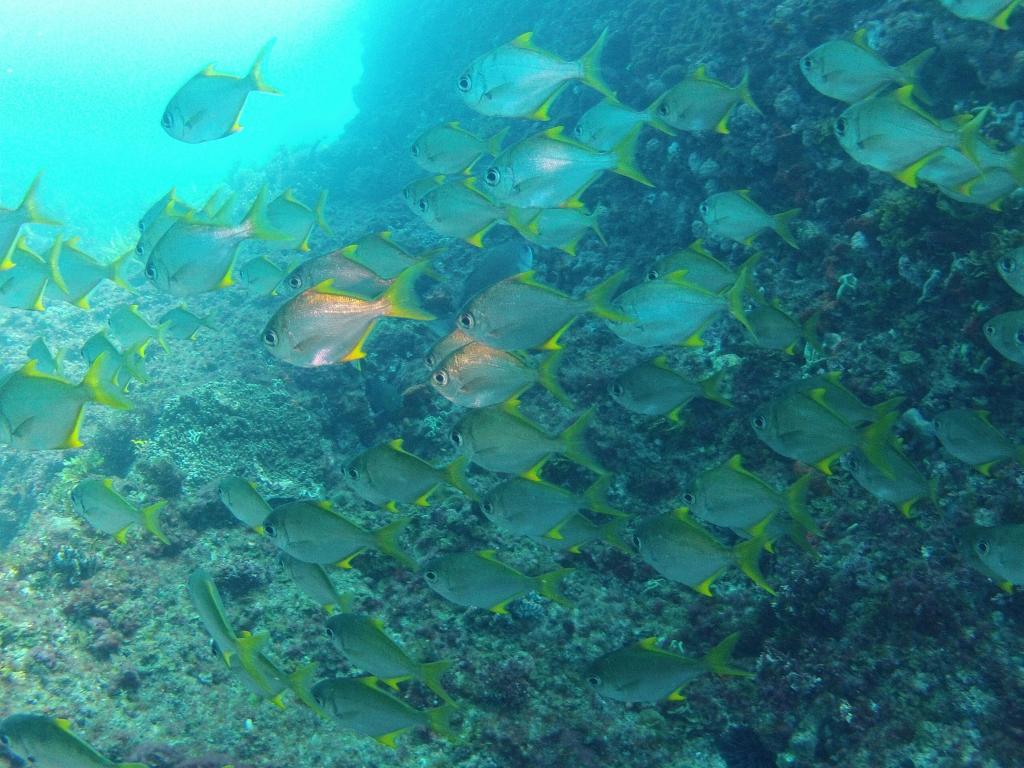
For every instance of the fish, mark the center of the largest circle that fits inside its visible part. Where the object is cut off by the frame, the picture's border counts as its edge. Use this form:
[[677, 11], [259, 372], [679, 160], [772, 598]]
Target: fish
[[265, 679], [701, 103], [444, 346], [608, 122], [168, 206], [644, 672], [183, 324], [449, 148], [535, 507], [494, 265], [699, 266], [361, 706], [196, 256], [1005, 333], [731, 496], [681, 550], [653, 388], [774, 328], [457, 208], [849, 70], [891, 133], [290, 216], [209, 105], [577, 531], [24, 277], [325, 326], [314, 532], [244, 501], [206, 599], [47, 742], [27, 212], [970, 436], [671, 310], [501, 439], [76, 273], [561, 228], [41, 411], [344, 274], [314, 582], [904, 488], [735, 215], [364, 641], [476, 375], [551, 170], [521, 313], [414, 191], [262, 275], [134, 331], [803, 425], [109, 512], [994, 12], [481, 580], [518, 79], [46, 361], [116, 367], [996, 551], [382, 255], [388, 475]]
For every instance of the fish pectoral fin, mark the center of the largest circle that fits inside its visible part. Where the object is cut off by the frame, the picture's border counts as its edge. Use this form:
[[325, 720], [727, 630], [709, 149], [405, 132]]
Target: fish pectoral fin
[[194, 119]]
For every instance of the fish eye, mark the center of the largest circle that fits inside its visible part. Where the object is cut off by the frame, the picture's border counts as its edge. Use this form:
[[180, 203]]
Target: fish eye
[[652, 274], [465, 83], [456, 438], [982, 547], [636, 541], [703, 209], [319, 701], [841, 126], [166, 120], [466, 320], [270, 338], [214, 650], [415, 150], [578, 130], [663, 109], [1007, 265], [430, 576], [270, 530], [990, 330], [594, 681], [142, 226], [440, 378], [759, 422], [1020, 336], [352, 473], [139, 250], [689, 498], [422, 205], [493, 176], [487, 507], [5, 739], [806, 64], [329, 632], [616, 390], [295, 281], [150, 269]]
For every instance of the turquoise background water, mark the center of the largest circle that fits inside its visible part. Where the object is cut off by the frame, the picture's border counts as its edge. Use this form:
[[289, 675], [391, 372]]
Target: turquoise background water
[[83, 85]]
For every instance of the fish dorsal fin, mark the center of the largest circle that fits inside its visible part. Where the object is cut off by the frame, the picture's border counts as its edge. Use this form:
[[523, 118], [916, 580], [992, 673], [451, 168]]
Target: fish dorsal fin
[[324, 504], [454, 124], [701, 73], [524, 41], [385, 235], [64, 725], [697, 246], [397, 444], [905, 96], [984, 416], [860, 39], [648, 644], [378, 623], [108, 483], [683, 514], [489, 554], [661, 361]]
